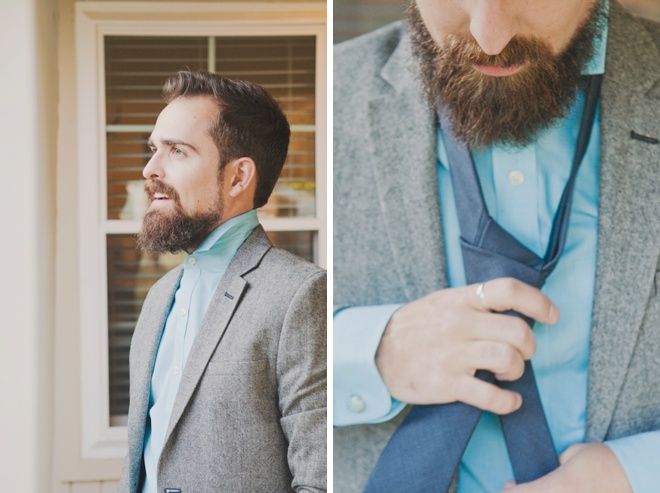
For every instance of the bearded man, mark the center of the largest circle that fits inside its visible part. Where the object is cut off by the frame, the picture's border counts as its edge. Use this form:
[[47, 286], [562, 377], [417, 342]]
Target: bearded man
[[228, 360], [496, 177]]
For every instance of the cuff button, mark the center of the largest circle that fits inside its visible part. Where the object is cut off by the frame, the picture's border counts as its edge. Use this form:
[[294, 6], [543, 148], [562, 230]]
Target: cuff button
[[356, 404]]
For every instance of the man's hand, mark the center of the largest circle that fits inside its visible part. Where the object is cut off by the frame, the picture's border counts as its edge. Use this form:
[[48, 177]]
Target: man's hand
[[585, 468], [432, 347]]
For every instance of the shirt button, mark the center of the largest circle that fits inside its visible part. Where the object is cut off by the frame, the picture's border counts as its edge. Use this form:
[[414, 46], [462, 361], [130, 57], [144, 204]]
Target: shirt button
[[192, 261], [356, 404], [176, 370], [516, 178], [183, 312]]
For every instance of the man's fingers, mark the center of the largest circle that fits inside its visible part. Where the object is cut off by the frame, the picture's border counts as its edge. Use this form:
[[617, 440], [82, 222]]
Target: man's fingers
[[501, 295], [488, 397], [497, 357], [507, 329], [430, 343]]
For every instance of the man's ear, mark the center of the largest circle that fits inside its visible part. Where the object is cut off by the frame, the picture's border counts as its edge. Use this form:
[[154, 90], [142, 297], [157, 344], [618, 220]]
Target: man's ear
[[241, 176]]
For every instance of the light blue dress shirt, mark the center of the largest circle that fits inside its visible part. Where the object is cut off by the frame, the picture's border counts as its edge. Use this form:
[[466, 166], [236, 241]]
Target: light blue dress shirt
[[202, 273], [522, 188]]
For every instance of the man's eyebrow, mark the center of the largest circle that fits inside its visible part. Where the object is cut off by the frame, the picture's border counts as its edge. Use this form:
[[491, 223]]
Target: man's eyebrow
[[174, 142]]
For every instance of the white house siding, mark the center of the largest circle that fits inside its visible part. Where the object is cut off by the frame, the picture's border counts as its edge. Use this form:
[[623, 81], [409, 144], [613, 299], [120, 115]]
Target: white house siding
[[27, 165]]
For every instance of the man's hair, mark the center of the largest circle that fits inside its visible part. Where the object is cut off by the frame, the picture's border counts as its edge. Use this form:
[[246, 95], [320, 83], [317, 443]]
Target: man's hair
[[250, 123]]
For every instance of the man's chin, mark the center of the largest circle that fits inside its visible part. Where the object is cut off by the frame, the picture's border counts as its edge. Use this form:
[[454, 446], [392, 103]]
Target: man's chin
[[169, 230], [509, 110]]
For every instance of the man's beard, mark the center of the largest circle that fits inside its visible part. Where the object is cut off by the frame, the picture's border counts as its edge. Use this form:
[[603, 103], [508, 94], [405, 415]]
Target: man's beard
[[512, 109], [175, 230]]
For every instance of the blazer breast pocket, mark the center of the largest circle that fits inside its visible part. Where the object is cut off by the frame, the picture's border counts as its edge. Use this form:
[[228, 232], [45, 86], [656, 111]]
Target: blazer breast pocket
[[236, 367]]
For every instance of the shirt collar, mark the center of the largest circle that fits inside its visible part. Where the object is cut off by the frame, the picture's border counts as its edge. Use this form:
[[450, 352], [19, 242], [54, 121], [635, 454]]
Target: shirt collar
[[597, 63], [224, 234]]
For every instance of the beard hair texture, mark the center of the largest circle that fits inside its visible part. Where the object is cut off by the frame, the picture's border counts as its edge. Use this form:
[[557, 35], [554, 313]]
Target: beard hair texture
[[174, 230], [510, 110]]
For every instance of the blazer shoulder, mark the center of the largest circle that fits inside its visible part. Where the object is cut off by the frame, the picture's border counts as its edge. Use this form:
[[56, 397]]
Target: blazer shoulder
[[653, 29], [633, 37], [289, 268], [639, 41], [284, 283]]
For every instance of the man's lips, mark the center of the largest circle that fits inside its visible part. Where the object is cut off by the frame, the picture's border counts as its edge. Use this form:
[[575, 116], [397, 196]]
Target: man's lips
[[495, 71], [159, 199], [159, 194]]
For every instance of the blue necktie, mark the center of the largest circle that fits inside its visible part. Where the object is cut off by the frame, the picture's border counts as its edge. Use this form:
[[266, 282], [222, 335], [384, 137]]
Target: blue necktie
[[424, 452]]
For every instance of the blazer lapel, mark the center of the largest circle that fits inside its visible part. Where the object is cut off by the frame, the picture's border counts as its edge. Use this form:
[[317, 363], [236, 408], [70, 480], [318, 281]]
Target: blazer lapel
[[629, 230], [402, 139], [225, 301], [145, 343]]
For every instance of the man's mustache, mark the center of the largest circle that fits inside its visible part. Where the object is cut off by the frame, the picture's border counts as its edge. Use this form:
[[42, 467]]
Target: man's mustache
[[152, 187], [463, 49]]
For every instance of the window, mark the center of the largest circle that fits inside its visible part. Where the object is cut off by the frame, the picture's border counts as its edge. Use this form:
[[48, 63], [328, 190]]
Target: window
[[123, 62]]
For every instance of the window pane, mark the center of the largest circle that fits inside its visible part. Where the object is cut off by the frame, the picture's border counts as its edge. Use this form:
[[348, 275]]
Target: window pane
[[130, 276], [294, 194], [298, 242], [136, 69], [285, 65], [127, 155]]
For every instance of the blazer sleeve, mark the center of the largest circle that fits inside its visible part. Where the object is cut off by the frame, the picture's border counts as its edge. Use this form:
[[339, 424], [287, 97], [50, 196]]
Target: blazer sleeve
[[302, 384]]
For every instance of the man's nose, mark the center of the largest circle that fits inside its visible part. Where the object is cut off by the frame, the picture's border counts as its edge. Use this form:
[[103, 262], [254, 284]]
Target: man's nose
[[493, 24], [153, 169]]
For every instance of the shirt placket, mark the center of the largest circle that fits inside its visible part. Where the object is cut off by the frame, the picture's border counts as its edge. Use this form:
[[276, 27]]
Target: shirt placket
[[516, 182], [182, 310]]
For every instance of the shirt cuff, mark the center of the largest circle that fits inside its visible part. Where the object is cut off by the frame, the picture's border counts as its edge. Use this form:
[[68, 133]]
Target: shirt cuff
[[359, 394], [639, 456]]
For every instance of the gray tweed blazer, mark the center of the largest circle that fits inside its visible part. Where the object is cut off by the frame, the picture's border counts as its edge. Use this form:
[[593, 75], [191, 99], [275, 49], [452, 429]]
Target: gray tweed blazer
[[388, 235], [250, 413]]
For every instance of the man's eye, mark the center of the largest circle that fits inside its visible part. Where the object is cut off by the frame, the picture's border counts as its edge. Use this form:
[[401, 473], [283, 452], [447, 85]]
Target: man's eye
[[177, 152]]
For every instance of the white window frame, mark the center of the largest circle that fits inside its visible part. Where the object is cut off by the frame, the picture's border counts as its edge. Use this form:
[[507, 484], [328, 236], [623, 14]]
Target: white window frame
[[94, 21]]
